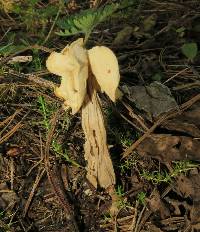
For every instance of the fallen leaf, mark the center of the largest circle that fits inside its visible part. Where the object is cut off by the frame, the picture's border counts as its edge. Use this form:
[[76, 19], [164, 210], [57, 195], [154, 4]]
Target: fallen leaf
[[167, 147], [154, 99], [157, 205], [177, 125]]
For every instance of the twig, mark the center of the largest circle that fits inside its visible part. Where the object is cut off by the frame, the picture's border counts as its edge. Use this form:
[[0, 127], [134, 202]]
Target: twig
[[37, 181], [187, 86], [9, 119], [55, 178], [34, 78], [139, 218], [41, 159], [52, 27], [133, 124], [11, 132], [134, 116], [133, 224], [177, 74], [12, 170]]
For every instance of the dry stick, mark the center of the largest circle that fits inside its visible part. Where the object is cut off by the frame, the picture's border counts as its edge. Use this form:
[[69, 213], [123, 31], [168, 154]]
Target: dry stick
[[139, 219], [133, 224], [172, 3], [144, 136], [54, 176], [53, 25], [37, 181], [134, 116], [188, 228], [133, 124], [187, 86], [12, 170], [41, 159], [143, 216], [10, 118], [171, 114], [177, 74], [11, 132], [34, 78]]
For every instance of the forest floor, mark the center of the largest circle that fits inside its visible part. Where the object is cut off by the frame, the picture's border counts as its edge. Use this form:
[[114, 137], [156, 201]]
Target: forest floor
[[153, 130]]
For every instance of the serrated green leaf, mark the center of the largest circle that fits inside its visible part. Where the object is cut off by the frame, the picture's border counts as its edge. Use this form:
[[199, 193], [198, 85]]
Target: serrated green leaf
[[10, 48], [60, 33], [85, 21], [105, 12], [180, 29], [48, 11], [77, 23], [190, 50]]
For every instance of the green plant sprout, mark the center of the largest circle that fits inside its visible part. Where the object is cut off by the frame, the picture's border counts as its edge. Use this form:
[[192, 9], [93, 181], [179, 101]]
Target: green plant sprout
[[183, 167], [157, 177], [6, 226], [141, 198], [47, 111], [128, 163], [85, 21], [57, 148], [122, 202], [190, 50], [2, 213], [32, 16], [126, 139]]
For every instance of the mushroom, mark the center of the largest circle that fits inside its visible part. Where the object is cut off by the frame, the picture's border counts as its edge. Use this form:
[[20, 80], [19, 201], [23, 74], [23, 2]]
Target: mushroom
[[72, 66], [105, 67], [79, 88]]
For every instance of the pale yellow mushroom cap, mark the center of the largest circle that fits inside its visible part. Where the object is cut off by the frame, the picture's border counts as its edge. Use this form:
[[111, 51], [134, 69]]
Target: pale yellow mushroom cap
[[60, 64], [72, 66], [105, 67], [76, 49], [73, 70]]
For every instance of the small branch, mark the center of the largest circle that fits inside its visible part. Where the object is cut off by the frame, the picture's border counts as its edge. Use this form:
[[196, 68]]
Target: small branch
[[55, 178], [53, 25], [34, 78], [31, 195]]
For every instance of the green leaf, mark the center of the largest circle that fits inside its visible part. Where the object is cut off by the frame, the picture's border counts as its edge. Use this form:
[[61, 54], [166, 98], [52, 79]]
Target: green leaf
[[180, 29], [157, 77], [85, 21], [9, 49], [190, 50]]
